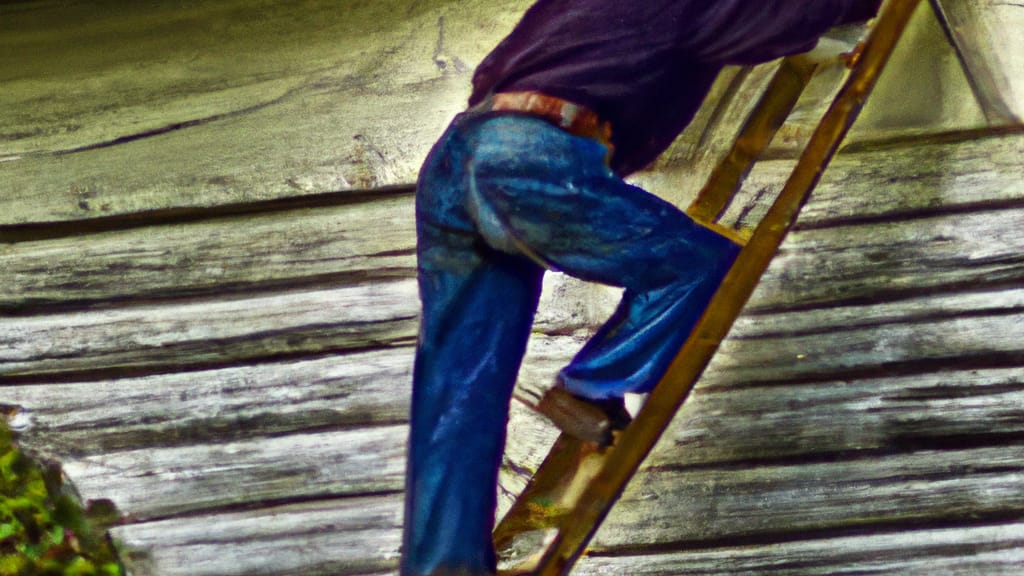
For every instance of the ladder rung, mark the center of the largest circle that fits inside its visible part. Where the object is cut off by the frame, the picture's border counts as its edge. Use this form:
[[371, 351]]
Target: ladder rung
[[771, 111]]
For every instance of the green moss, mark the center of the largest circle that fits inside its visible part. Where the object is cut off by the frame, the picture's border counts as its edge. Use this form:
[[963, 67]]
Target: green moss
[[43, 530]]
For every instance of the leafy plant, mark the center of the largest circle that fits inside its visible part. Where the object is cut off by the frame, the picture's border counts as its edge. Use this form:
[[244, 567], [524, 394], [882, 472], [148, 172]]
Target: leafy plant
[[43, 529]]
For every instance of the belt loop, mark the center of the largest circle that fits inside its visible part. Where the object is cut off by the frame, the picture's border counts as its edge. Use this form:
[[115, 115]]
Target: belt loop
[[569, 112]]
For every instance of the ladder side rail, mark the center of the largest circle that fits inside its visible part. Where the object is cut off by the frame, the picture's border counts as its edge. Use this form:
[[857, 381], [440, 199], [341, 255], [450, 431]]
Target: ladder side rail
[[774, 106]]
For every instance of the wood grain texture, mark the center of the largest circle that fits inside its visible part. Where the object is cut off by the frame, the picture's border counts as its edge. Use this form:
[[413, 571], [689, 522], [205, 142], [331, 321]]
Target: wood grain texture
[[107, 116], [896, 181], [193, 334], [728, 420], [896, 348], [962, 551], [149, 483], [80, 422], [340, 245], [238, 385], [730, 424], [679, 507], [747, 441], [312, 544], [343, 537], [335, 392], [945, 408], [894, 259], [113, 109]]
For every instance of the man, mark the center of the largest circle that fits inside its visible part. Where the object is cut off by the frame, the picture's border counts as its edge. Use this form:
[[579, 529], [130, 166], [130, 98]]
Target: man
[[579, 95]]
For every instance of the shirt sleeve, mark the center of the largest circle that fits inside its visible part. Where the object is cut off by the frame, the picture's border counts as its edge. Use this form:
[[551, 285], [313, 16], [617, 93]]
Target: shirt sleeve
[[754, 31]]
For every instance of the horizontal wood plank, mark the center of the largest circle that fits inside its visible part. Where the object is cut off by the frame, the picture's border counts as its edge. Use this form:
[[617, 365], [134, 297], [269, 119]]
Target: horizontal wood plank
[[902, 487], [896, 181], [149, 483], [725, 421], [906, 412], [190, 335], [993, 550], [342, 391], [771, 349], [783, 423], [679, 506], [993, 300], [342, 244], [311, 543], [914, 347], [214, 493], [339, 537], [882, 261], [920, 335], [70, 422]]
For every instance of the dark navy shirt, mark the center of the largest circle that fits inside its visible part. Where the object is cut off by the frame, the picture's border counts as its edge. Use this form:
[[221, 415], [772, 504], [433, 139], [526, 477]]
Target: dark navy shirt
[[646, 65]]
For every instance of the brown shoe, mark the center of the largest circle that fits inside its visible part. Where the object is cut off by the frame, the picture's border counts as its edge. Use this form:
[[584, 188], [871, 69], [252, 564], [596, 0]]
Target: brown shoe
[[583, 418]]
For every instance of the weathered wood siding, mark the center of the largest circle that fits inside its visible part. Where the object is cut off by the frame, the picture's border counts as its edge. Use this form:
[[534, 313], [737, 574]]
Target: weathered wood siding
[[113, 108], [208, 306]]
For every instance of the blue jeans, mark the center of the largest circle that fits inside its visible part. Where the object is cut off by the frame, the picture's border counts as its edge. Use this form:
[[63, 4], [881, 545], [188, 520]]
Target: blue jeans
[[501, 198]]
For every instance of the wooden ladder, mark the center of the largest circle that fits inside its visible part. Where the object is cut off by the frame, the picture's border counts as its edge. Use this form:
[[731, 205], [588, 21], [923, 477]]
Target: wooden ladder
[[552, 521]]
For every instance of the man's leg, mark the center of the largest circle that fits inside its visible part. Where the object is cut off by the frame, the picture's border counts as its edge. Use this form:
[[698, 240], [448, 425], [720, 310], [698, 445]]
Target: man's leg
[[474, 334], [500, 199], [478, 306], [563, 207]]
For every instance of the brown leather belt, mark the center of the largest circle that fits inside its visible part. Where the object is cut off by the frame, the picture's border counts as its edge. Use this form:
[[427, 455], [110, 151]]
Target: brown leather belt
[[568, 116]]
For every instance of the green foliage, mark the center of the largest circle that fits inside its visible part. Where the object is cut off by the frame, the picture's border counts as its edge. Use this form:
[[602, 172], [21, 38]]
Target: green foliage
[[43, 530]]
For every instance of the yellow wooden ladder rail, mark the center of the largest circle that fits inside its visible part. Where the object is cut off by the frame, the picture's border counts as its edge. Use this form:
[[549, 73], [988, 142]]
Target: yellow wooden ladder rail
[[550, 524]]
